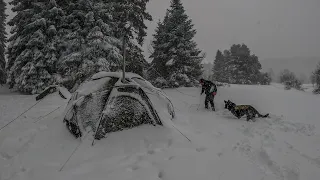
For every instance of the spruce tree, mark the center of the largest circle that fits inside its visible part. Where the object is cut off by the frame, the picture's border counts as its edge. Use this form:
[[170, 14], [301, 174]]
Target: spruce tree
[[226, 67], [130, 12], [176, 56], [88, 42], [244, 67], [160, 53], [26, 44], [32, 53], [135, 61], [2, 41], [134, 14], [237, 65], [218, 66]]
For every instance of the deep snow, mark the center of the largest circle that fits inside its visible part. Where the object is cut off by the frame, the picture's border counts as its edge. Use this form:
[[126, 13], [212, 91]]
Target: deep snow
[[285, 146]]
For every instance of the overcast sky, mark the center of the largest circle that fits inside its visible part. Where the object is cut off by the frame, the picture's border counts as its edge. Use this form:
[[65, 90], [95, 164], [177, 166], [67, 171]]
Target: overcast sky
[[271, 28]]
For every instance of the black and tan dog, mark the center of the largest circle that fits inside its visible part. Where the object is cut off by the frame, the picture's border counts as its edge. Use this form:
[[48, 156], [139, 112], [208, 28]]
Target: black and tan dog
[[241, 110]]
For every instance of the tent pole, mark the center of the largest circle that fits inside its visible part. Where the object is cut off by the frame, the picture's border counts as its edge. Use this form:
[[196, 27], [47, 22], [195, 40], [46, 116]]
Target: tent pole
[[124, 58], [124, 49], [94, 136]]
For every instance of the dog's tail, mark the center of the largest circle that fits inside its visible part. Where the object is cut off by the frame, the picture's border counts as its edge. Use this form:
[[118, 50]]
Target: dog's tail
[[260, 115], [263, 116]]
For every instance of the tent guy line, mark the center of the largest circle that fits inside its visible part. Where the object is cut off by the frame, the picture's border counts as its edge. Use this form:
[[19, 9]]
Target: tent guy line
[[42, 117], [19, 116], [74, 152]]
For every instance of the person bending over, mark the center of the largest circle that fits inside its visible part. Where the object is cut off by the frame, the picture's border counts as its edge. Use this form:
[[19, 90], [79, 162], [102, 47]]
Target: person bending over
[[210, 89]]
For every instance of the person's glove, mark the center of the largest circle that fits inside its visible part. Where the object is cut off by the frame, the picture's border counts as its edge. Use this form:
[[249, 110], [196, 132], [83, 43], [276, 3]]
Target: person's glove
[[214, 93]]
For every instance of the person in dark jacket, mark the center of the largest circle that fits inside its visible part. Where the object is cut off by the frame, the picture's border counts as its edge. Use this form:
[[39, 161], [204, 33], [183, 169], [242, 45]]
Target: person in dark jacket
[[210, 89]]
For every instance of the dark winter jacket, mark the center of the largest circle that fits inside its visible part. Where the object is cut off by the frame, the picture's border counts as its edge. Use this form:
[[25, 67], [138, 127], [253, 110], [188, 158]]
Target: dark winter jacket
[[206, 87]]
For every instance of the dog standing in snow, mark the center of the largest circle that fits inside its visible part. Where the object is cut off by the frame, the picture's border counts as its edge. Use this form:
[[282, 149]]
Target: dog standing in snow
[[241, 110]]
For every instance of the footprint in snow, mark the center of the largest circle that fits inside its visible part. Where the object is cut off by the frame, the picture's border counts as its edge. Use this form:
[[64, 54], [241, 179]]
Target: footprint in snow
[[139, 165], [170, 142], [133, 168], [170, 158], [217, 134], [42, 128], [12, 146], [292, 173], [201, 149], [161, 174], [220, 154], [153, 151]]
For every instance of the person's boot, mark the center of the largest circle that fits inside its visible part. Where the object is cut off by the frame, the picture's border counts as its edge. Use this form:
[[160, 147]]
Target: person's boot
[[213, 109]]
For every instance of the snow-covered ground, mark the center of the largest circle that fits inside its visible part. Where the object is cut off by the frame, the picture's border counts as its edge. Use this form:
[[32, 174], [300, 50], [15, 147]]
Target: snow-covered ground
[[221, 147]]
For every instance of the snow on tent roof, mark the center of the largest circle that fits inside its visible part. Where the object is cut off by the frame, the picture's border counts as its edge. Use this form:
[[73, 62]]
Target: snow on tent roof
[[113, 74], [170, 62], [92, 86], [144, 83]]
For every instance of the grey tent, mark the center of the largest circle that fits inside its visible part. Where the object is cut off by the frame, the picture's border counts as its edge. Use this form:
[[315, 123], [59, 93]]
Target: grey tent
[[103, 104]]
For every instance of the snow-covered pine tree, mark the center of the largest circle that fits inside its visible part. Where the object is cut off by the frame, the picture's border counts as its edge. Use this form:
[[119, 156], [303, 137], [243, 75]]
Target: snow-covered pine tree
[[244, 68], [218, 66], [31, 52], [176, 56], [88, 44], [132, 13], [54, 16], [135, 61], [2, 41], [160, 55], [226, 67], [240, 56]]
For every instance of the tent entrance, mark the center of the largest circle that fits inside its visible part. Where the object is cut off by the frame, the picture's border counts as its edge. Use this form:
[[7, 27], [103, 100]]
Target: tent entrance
[[127, 107]]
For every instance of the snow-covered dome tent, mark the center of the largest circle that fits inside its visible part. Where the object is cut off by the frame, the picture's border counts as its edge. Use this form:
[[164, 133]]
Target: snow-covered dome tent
[[103, 104]]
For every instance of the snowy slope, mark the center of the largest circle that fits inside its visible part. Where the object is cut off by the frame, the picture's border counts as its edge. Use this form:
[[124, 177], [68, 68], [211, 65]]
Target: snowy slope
[[285, 146]]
